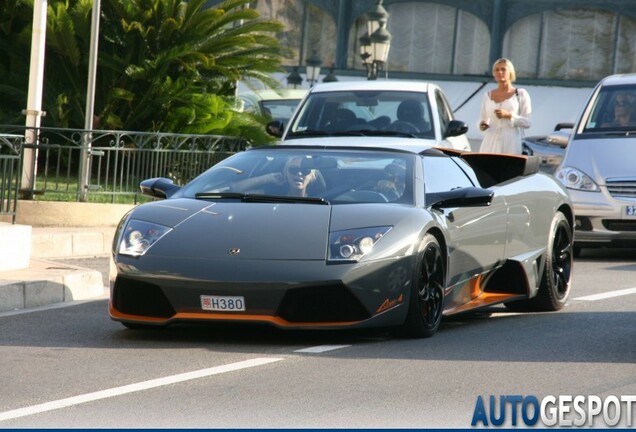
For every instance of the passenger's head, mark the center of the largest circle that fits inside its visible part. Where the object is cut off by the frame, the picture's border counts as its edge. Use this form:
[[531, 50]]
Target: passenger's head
[[297, 175], [395, 172], [410, 111], [624, 109], [624, 101], [504, 63]]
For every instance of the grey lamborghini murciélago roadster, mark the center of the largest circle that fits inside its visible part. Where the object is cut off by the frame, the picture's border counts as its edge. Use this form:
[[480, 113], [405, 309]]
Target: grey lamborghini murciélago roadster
[[326, 237]]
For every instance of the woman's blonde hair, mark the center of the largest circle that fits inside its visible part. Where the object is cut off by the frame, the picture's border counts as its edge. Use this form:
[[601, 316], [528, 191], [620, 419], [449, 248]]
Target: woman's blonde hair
[[509, 65]]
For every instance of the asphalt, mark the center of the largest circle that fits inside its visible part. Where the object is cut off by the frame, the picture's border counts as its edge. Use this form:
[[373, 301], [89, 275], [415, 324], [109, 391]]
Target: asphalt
[[66, 265]]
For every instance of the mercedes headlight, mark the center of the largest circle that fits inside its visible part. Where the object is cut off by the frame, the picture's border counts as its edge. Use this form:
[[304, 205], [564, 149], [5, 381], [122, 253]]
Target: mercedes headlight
[[351, 245], [138, 236], [573, 178]]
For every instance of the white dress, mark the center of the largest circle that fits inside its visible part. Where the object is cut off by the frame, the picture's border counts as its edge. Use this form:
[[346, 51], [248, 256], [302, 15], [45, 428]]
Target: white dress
[[504, 135]]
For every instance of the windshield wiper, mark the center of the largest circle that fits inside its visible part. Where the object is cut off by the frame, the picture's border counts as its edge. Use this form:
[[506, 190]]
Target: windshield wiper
[[246, 197]]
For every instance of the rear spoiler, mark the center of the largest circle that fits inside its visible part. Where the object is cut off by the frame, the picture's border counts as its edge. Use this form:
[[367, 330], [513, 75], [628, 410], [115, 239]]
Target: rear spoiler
[[495, 168]]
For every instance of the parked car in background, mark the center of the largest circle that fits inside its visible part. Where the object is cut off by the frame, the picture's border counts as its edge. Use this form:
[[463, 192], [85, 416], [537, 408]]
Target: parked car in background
[[599, 168], [278, 105], [548, 148], [385, 110], [335, 237]]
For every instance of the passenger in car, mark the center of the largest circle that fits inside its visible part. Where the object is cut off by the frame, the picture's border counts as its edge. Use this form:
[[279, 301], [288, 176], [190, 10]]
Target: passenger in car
[[624, 110], [411, 111], [341, 120], [392, 187]]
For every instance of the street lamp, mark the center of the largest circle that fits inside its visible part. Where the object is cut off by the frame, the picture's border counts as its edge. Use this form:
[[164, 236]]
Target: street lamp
[[313, 68], [375, 44], [294, 79]]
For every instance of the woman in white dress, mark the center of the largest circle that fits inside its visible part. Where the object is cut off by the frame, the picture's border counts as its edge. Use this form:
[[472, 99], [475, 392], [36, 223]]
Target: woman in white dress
[[505, 111]]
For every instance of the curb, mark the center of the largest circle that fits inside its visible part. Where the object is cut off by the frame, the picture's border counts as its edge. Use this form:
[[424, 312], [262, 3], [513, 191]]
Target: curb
[[45, 283]]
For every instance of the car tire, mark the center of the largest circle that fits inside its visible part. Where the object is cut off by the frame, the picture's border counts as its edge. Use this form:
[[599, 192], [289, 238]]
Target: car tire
[[426, 301], [554, 288]]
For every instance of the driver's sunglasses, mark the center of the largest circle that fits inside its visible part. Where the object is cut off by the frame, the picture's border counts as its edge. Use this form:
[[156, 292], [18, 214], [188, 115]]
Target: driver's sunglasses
[[622, 103], [298, 170]]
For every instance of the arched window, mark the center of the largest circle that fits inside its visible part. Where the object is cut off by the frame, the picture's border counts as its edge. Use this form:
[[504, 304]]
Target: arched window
[[581, 44], [430, 38]]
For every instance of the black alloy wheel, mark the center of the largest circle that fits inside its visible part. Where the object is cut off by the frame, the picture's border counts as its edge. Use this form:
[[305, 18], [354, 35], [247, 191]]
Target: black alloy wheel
[[427, 293], [556, 280], [557, 277]]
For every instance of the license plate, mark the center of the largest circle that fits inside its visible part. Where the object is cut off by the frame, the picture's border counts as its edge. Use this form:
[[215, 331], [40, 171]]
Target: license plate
[[629, 211], [223, 303]]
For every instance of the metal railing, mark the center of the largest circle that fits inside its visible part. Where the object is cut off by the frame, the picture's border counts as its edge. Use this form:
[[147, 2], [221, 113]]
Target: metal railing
[[10, 167], [114, 162]]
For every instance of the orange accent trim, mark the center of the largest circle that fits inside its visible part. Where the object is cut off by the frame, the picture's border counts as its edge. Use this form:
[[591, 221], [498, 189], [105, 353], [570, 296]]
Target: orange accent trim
[[475, 287], [483, 300], [388, 304], [278, 321]]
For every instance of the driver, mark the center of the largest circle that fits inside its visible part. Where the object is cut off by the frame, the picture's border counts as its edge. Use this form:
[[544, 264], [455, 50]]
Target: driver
[[293, 181], [394, 183]]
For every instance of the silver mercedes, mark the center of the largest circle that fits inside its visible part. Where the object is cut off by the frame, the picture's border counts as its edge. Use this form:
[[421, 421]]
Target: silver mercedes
[[599, 166]]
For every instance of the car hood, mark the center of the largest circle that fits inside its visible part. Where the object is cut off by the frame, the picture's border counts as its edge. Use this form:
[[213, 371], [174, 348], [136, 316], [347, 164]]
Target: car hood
[[272, 231], [208, 230], [402, 143], [603, 158]]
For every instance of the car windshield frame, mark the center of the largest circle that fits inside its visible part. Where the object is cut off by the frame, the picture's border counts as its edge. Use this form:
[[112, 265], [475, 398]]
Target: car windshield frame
[[337, 176], [373, 112]]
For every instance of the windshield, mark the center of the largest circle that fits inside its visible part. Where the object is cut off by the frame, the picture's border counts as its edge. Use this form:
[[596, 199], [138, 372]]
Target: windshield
[[332, 176], [614, 110], [372, 112], [279, 109]]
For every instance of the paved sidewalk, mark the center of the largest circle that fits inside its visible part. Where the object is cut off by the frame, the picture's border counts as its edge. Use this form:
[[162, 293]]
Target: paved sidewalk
[[52, 276]]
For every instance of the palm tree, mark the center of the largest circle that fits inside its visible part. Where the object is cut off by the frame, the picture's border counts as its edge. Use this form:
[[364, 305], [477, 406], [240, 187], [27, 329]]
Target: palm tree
[[164, 65]]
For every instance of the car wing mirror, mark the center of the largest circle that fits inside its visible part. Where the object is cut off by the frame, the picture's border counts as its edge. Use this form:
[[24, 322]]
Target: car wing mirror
[[460, 197], [455, 128], [559, 138], [160, 187], [275, 128]]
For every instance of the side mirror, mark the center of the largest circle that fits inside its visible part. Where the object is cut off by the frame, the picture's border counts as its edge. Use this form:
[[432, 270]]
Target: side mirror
[[456, 128], [560, 126], [275, 128], [559, 138], [461, 197], [159, 187]]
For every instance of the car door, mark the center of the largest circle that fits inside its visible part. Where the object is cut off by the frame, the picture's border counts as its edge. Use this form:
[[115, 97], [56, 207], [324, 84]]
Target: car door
[[477, 235]]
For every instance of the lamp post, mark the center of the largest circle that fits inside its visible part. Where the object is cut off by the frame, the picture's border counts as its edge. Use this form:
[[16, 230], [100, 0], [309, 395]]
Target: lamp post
[[313, 68], [375, 44], [294, 79], [331, 76]]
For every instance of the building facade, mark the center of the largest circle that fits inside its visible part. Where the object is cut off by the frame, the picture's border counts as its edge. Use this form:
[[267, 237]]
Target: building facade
[[550, 42]]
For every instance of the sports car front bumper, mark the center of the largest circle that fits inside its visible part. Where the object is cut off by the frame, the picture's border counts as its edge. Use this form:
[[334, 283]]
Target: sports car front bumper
[[290, 294]]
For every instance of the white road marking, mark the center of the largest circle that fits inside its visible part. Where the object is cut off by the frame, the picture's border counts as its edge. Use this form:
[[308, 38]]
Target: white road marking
[[607, 295], [321, 348], [131, 388]]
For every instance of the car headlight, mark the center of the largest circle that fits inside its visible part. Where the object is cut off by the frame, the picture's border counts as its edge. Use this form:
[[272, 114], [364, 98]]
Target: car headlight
[[351, 245], [573, 178], [138, 236]]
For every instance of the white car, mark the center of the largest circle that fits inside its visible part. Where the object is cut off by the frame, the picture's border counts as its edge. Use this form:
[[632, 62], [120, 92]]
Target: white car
[[598, 167], [414, 113], [276, 104]]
